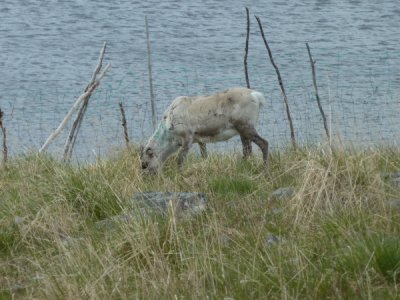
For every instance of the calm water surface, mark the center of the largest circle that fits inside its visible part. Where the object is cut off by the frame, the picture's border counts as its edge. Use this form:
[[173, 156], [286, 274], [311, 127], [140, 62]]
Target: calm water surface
[[48, 50]]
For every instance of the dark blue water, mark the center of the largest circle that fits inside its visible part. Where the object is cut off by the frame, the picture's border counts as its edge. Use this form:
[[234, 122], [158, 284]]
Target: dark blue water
[[48, 50]]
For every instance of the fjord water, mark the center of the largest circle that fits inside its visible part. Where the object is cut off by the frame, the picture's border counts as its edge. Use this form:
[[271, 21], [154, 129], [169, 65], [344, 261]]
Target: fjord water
[[48, 50]]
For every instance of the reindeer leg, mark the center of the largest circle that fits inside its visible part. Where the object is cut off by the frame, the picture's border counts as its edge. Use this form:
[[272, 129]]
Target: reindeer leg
[[203, 150], [249, 132], [263, 144], [187, 143], [246, 146]]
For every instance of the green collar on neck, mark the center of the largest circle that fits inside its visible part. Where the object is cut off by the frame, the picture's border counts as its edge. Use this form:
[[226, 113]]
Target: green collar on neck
[[161, 132]]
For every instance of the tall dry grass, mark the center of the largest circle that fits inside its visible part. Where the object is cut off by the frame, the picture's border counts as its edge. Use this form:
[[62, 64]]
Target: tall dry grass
[[336, 237]]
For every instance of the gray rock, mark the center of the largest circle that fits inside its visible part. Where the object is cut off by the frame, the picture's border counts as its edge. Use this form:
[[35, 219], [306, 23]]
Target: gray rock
[[192, 203], [395, 182], [39, 277], [18, 220], [224, 239], [271, 240], [276, 211], [69, 241], [282, 193], [392, 178], [17, 288], [150, 203], [106, 224], [391, 175], [394, 203]]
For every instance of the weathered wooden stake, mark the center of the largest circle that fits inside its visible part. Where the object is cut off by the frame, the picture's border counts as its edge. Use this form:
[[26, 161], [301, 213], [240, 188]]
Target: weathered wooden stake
[[246, 72], [153, 106], [4, 131], [292, 135], [124, 124], [312, 62]]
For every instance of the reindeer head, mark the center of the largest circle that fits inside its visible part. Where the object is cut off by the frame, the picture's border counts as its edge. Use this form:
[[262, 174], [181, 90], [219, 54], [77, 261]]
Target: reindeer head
[[149, 156], [160, 146]]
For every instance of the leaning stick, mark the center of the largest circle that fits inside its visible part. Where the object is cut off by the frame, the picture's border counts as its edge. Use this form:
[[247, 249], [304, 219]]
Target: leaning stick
[[76, 126], [65, 120], [280, 83], [3, 129], [95, 81], [312, 62], [99, 65], [71, 139], [246, 72], [124, 124], [70, 142]]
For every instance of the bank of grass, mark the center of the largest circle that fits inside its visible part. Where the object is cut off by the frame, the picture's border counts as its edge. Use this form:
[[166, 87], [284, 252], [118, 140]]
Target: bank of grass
[[337, 237]]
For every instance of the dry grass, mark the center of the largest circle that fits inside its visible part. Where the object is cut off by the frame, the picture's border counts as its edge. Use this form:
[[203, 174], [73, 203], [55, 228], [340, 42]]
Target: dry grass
[[338, 238]]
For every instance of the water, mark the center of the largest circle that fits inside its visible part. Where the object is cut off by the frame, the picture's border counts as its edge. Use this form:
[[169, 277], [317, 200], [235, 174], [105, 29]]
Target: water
[[48, 50]]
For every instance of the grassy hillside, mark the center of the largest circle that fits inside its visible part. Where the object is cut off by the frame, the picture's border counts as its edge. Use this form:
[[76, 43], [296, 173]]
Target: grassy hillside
[[336, 237]]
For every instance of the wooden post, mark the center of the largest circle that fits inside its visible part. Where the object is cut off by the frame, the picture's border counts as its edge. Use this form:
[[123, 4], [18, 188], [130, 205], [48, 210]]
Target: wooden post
[[246, 72], [312, 62], [124, 124], [153, 106], [292, 135], [4, 131]]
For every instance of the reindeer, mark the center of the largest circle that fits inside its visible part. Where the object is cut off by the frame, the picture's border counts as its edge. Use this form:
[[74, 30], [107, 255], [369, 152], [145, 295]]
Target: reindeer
[[206, 119]]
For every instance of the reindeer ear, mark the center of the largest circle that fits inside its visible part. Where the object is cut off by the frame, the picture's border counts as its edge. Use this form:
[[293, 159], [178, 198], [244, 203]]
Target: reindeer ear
[[141, 149]]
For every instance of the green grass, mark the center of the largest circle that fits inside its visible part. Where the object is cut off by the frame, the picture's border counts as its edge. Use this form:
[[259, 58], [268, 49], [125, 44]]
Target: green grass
[[338, 239]]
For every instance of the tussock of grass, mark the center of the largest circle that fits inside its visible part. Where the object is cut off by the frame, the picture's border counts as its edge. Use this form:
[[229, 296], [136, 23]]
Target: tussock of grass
[[337, 237], [223, 185]]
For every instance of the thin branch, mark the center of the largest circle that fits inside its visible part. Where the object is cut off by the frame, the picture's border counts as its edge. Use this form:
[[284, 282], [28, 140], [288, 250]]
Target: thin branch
[[76, 126], [3, 129], [246, 72], [292, 135], [66, 118], [70, 142], [153, 107], [93, 84], [312, 62], [124, 124], [99, 65]]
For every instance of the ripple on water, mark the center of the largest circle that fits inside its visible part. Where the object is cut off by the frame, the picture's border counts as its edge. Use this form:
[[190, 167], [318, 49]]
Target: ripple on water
[[197, 47]]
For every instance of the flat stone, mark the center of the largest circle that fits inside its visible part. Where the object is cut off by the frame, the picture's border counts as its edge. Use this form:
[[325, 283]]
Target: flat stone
[[395, 182], [282, 193], [17, 288], [272, 240], [392, 178], [394, 203], [391, 175], [39, 277], [276, 211], [18, 220], [150, 203], [181, 202], [224, 239], [69, 241]]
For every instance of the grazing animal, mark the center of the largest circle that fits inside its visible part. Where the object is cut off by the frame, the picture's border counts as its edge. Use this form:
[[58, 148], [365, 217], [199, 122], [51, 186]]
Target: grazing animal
[[206, 119]]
